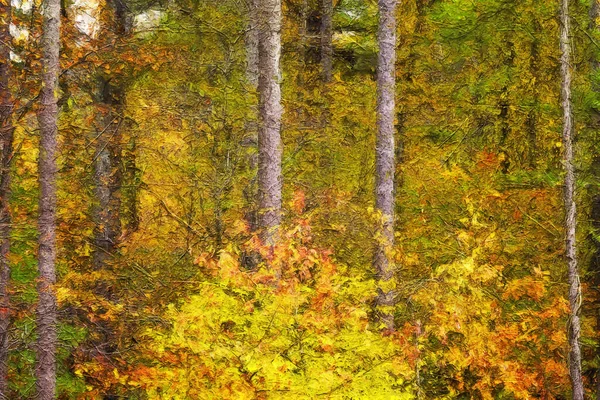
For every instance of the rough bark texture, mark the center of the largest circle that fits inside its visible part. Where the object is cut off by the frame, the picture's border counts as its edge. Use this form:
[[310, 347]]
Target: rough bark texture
[[108, 180], [126, 177], [251, 41], [326, 39], [6, 143], [108, 166], [385, 165], [570, 207], [269, 133], [123, 17], [107, 175], [47, 116]]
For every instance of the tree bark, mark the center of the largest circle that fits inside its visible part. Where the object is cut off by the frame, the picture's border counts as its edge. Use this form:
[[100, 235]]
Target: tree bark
[[48, 119], [326, 40], [108, 179], [570, 207], [385, 163], [108, 166], [6, 143], [270, 111], [107, 176]]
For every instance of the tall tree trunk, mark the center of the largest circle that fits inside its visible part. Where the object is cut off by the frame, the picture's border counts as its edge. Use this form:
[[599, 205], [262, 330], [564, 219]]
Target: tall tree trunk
[[48, 119], [108, 166], [326, 39], [124, 159], [270, 111], [108, 179], [6, 141], [107, 174], [385, 163], [570, 207]]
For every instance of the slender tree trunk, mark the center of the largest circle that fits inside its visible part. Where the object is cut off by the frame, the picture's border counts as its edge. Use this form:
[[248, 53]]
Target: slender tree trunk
[[125, 160], [385, 163], [251, 40], [6, 141], [108, 166], [571, 215], [270, 111], [107, 176], [108, 179], [326, 39], [48, 119]]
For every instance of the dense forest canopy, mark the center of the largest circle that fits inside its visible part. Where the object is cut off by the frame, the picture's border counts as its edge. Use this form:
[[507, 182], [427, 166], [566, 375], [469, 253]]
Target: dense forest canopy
[[299, 199]]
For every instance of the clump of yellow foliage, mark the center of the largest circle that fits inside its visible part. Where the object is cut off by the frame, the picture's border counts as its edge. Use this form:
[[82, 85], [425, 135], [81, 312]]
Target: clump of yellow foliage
[[299, 326], [296, 327]]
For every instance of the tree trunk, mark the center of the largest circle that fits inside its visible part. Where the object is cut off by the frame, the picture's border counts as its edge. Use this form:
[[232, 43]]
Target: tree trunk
[[570, 207], [385, 165], [270, 111], [126, 177], [108, 166], [6, 141], [107, 179], [326, 39], [48, 119]]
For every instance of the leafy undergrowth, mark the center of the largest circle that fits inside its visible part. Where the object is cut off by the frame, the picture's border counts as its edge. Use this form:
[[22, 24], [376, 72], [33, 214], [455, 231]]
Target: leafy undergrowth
[[299, 326]]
